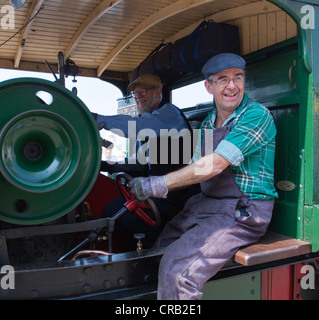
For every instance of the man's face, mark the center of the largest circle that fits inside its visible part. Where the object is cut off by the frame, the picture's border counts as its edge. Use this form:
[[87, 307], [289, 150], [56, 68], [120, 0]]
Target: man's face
[[147, 99], [227, 94]]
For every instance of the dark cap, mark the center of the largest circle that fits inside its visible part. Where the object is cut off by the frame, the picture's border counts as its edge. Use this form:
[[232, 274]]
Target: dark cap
[[148, 80], [222, 62]]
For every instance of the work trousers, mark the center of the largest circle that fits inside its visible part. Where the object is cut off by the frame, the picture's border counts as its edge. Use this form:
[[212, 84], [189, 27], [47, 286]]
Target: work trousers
[[202, 238]]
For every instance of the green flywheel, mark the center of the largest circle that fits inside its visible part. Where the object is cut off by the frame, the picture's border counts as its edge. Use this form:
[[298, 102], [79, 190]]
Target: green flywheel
[[50, 151]]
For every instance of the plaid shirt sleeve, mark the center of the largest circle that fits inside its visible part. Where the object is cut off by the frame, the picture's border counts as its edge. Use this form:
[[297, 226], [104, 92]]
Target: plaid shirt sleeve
[[252, 130]]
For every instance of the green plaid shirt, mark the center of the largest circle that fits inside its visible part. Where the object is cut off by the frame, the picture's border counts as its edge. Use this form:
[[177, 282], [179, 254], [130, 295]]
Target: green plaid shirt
[[249, 147]]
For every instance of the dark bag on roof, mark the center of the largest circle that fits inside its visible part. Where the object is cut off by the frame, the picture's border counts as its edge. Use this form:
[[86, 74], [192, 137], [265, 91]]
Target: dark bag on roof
[[190, 53], [158, 62]]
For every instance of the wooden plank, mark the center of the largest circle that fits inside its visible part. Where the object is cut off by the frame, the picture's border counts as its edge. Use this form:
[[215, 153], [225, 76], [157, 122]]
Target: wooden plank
[[271, 247], [34, 9], [271, 29], [262, 31], [92, 18], [79, 27], [253, 25], [229, 15], [245, 37], [291, 28], [281, 29]]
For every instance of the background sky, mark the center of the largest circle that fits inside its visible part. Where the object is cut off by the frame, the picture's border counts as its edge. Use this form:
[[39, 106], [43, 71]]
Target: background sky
[[99, 96]]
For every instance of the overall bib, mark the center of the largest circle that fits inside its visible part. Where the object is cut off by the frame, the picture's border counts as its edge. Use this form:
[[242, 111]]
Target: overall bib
[[207, 233]]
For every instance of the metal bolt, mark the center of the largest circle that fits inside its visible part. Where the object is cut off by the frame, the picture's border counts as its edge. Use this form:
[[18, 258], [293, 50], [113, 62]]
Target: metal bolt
[[108, 267], [88, 270], [86, 288], [121, 282], [147, 277], [34, 293]]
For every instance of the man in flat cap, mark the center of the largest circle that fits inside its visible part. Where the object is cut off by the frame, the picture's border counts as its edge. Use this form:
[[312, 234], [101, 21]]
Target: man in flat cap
[[235, 168], [155, 120]]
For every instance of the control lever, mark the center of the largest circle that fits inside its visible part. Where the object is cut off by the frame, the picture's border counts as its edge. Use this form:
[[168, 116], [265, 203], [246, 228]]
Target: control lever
[[60, 81], [92, 237], [49, 67]]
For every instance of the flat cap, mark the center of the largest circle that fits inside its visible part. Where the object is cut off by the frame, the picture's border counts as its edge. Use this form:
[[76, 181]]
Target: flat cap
[[222, 62], [148, 80]]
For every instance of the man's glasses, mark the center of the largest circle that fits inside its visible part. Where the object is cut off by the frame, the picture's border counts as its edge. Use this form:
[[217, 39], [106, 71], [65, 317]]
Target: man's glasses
[[142, 92], [224, 82]]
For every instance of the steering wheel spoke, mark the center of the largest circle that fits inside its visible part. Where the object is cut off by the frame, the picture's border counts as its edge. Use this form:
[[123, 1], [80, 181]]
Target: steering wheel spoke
[[136, 206]]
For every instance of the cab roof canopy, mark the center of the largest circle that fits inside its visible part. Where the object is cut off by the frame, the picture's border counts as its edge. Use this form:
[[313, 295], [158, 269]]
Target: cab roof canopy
[[110, 38]]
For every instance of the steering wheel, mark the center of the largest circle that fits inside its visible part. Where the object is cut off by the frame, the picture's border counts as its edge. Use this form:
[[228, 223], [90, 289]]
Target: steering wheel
[[135, 205]]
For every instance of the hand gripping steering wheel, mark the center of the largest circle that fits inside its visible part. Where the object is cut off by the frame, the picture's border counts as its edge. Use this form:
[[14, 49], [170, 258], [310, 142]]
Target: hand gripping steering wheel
[[131, 205], [135, 205]]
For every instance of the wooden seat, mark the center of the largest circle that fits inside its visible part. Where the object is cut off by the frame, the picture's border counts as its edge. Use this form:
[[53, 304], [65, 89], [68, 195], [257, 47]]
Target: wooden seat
[[272, 246]]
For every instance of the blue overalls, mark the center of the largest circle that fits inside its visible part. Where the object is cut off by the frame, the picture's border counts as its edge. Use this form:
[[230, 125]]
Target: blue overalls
[[206, 234]]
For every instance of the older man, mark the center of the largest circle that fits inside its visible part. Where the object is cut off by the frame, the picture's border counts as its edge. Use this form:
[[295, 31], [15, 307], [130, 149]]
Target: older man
[[235, 171], [155, 121]]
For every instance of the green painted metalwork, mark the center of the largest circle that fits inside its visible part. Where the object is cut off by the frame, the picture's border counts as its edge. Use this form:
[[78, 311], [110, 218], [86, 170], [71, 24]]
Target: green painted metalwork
[[297, 159], [272, 80], [50, 151], [40, 151], [244, 287]]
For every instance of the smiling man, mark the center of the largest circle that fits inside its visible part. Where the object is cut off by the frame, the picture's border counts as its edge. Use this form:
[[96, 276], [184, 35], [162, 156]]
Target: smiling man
[[147, 92], [235, 168], [156, 120], [228, 93]]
